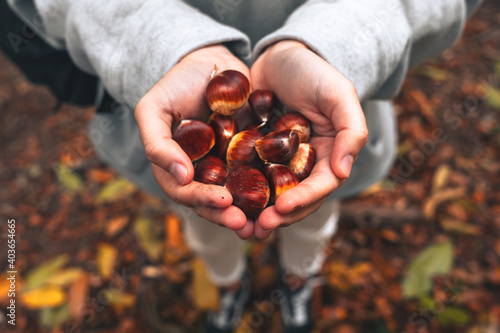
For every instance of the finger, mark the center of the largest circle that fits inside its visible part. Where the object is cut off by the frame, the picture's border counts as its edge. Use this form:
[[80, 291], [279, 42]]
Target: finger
[[271, 219], [260, 233], [320, 183], [155, 123], [194, 194], [345, 113], [247, 230], [230, 217]]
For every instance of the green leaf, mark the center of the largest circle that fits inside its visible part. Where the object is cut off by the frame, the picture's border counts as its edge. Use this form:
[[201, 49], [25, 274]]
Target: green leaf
[[149, 239], [433, 73], [41, 274], [69, 180], [50, 318], [115, 190], [492, 96], [435, 259], [497, 67], [453, 316]]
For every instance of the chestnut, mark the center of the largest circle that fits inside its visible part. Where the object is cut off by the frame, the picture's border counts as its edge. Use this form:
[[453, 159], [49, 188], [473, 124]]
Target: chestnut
[[195, 137], [227, 92], [278, 147], [225, 128], [294, 120], [210, 170], [241, 149], [261, 103], [280, 179], [303, 161], [250, 190]]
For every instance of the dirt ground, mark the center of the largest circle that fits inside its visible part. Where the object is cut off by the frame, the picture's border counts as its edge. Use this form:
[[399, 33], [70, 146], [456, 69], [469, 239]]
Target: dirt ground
[[417, 252]]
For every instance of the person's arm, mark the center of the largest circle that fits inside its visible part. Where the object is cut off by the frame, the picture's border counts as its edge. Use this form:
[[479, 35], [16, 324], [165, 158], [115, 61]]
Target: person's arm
[[374, 42], [129, 44], [329, 56]]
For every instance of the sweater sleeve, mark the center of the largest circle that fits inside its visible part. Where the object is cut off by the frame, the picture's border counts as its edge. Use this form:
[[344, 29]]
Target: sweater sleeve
[[129, 44], [374, 42]]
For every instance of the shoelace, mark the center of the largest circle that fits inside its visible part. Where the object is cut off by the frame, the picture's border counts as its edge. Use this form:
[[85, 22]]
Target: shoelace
[[231, 301], [299, 302]]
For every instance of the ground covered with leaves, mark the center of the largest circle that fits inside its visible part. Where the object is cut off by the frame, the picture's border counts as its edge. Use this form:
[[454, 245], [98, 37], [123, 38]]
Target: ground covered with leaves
[[417, 252]]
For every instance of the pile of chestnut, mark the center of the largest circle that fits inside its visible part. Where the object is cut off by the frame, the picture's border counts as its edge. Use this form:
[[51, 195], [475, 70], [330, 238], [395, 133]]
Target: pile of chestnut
[[257, 164]]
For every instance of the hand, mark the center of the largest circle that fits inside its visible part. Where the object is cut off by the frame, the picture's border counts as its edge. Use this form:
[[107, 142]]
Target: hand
[[305, 82], [182, 91]]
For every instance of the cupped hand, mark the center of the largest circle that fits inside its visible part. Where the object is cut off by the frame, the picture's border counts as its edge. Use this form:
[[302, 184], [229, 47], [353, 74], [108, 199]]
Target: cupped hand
[[181, 92], [305, 82]]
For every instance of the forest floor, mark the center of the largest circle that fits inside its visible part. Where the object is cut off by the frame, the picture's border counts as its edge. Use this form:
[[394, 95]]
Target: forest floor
[[417, 252]]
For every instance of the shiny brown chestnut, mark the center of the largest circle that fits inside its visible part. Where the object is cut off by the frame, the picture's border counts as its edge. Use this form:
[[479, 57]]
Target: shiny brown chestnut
[[225, 128], [280, 179], [261, 103], [195, 137], [241, 149], [250, 190], [227, 92], [278, 147], [303, 161], [296, 121], [210, 170]]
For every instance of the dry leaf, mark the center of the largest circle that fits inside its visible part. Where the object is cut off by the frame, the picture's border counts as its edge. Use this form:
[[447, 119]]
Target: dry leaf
[[457, 226], [43, 272], [437, 198], [115, 190], [48, 296], [440, 177], [106, 259], [176, 249], [65, 276], [148, 239], [116, 225], [205, 293], [77, 295]]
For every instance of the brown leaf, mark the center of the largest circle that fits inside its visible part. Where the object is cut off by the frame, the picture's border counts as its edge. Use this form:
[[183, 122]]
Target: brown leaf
[[77, 296], [116, 225], [437, 198], [106, 259], [440, 177]]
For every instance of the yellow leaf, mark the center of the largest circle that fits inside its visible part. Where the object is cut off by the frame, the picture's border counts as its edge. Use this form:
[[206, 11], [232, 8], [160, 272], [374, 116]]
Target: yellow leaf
[[440, 177], [106, 258], [149, 240], [68, 179], [205, 293], [120, 299], [66, 276], [42, 273], [115, 190], [48, 296], [437, 198]]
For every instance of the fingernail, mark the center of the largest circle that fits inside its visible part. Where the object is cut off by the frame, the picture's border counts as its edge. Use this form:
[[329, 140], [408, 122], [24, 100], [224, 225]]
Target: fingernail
[[179, 172], [346, 165]]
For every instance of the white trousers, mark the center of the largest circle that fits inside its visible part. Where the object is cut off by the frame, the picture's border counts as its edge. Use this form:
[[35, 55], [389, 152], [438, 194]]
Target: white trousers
[[301, 245]]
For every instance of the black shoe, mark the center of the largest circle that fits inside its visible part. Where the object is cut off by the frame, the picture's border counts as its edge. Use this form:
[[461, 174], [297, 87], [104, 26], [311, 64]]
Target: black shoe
[[231, 306], [296, 306]]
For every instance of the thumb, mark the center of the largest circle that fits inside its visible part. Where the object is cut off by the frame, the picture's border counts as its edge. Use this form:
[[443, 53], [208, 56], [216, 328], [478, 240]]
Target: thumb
[[155, 126]]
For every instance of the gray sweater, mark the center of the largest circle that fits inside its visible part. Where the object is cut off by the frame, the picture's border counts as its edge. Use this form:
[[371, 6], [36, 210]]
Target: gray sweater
[[130, 44]]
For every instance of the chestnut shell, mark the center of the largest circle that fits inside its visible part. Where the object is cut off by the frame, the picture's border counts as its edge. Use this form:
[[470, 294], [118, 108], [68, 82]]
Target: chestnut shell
[[227, 92], [294, 120], [210, 170], [225, 128], [250, 190], [278, 147], [241, 149], [303, 161], [280, 179], [195, 137]]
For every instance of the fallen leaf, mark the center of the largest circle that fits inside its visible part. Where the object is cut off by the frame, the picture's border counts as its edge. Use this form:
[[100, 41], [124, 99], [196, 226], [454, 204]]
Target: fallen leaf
[[50, 318], [440, 177], [205, 293], [149, 240], [69, 180], [175, 248], [492, 96], [77, 295], [48, 296], [435, 259], [66, 276], [43, 272], [115, 190], [459, 227], [100, 176], [120, 300], [433, 73], [453, 316], [116, 225], [106, 259], [437, 198]]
